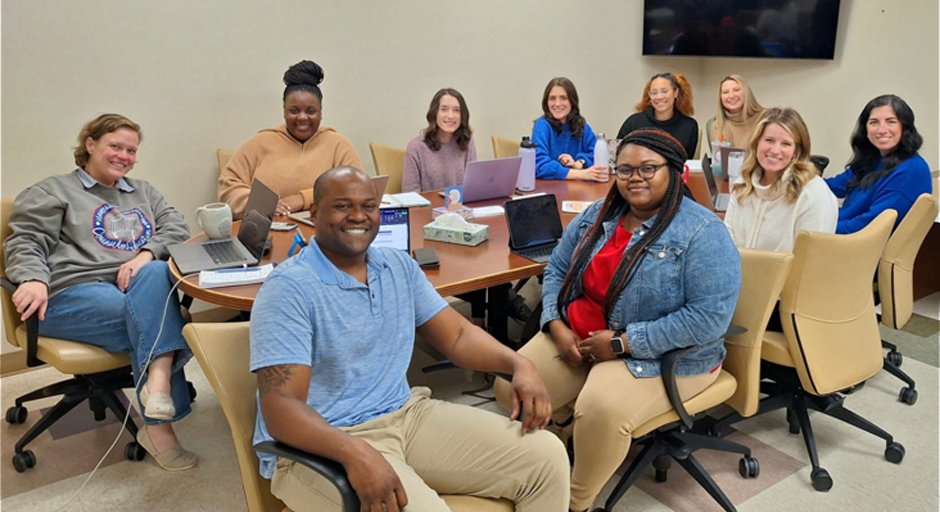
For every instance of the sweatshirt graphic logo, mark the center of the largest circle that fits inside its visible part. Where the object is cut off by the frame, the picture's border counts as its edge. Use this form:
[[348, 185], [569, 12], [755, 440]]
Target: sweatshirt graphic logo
[[127, 230]]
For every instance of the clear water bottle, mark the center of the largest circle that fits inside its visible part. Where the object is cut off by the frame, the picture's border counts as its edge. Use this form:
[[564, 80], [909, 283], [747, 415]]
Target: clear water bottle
[[526, 180], [602, 153]]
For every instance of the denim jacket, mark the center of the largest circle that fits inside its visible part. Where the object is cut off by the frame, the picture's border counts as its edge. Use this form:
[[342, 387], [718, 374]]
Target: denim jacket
[[683, 294]]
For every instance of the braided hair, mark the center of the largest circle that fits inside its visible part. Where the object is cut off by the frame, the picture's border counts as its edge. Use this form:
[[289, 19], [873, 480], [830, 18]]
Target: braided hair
[[615, 206], [304, 76]]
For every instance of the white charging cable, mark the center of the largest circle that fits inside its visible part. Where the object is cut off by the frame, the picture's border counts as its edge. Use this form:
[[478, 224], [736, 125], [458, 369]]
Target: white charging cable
[[166, 306]]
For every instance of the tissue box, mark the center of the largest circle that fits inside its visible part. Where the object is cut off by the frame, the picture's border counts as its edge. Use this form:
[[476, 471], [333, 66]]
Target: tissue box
[[471, 234], [466, 213]]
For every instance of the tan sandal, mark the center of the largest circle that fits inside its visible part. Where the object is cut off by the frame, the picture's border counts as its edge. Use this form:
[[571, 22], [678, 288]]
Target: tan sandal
[[158, 406], [174, 459]]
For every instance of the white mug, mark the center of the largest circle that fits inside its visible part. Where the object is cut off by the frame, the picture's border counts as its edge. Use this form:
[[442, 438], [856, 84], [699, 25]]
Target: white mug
[[215, 219]]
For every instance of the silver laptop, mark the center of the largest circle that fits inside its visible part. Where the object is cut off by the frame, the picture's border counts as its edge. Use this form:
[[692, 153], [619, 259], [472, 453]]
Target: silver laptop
[[246, 249], [394, 230], [719, 200], [489, 179]]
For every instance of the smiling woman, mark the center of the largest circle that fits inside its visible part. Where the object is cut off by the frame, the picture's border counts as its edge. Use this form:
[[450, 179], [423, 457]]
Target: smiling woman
[[667, 105], [737, 114], [290, 157], [437, 158], [565, 142]]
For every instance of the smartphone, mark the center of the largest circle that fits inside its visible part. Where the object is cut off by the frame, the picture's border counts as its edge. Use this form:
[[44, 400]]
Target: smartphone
[[283, 226], [426, 257]]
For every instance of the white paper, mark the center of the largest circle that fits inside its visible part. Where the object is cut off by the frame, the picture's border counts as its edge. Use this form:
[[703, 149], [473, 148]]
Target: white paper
[[234, 277], [406, 199]]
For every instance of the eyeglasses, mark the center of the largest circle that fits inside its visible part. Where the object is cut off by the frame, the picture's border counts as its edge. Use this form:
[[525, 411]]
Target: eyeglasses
[[625, 172], [660, 92]]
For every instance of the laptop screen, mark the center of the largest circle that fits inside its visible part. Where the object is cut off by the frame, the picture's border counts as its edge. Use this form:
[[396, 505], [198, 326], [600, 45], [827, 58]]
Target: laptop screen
[[394, 230], [533, 220]]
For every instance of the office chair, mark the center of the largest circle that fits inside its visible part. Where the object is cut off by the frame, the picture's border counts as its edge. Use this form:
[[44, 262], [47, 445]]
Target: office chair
[[671, 434], [505, 148], [223, 156], [896, 282], [391, 162], [97, 374], [223, 352], [830, 339], [820, 161]]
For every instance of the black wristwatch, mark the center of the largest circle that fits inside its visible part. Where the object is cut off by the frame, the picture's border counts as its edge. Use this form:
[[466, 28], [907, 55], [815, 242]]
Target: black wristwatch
[[617, 346], [581, 161]]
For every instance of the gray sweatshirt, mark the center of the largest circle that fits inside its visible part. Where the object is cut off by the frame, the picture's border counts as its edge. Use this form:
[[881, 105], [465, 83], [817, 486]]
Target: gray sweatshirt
[[66, 232]]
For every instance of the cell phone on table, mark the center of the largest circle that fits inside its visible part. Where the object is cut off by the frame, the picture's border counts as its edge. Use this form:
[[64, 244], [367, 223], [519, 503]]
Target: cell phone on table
[[427, 257]]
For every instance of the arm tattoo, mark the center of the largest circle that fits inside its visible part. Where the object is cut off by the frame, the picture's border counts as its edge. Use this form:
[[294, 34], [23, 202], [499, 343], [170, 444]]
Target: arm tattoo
[[272, 377]]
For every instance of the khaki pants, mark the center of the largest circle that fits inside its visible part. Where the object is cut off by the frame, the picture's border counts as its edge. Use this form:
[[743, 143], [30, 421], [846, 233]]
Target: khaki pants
[[441, 448], [609, 403]]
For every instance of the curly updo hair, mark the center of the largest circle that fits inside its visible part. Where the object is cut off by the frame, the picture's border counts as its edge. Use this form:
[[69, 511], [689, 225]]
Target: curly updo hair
[[305, 76]]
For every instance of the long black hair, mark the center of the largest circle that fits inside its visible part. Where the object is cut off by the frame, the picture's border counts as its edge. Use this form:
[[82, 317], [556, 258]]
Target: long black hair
[[865, 156], [615, 207]]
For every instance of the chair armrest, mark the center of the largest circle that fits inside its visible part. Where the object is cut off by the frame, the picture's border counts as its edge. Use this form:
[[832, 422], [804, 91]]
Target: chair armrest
[[668, 365], [329, 469], [32, 328]]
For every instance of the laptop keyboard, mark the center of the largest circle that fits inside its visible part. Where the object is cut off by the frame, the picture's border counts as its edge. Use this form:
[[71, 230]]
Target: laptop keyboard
[[540, 251], [223, 252]]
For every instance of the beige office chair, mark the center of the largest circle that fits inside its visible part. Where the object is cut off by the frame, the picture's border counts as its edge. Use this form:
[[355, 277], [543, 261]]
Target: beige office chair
[[762, 276], [223, 156], [390, 162], [97, 374], [830, 340], [223, 352], [504, 148], [896, 282]]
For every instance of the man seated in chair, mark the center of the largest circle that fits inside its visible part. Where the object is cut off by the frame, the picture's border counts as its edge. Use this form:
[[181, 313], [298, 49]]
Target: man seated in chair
[[332, 334]]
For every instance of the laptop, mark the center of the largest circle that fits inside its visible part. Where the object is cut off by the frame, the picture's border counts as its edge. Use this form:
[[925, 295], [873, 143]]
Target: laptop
[[380, 183], [489, 179], [719, 200], [244, 250], [394, 230], [534, 226]]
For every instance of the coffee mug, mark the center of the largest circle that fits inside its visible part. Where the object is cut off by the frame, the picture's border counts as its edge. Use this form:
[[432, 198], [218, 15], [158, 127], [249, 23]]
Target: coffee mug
[[215, 219]]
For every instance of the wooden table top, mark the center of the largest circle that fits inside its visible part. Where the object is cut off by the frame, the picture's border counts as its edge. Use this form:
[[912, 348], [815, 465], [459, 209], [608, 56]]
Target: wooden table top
[[463, 268]]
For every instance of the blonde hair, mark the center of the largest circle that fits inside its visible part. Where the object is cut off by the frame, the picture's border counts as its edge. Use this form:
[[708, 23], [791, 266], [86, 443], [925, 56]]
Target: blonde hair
[[97, 128], [684, 89], [802, 169], [751, 106]]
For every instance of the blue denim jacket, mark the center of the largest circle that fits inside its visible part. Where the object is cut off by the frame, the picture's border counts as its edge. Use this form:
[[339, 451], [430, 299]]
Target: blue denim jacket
[[683, 294]]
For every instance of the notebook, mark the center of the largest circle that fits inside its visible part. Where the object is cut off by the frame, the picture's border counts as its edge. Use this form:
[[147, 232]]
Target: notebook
[[719, 201], [246, 249], [394, 230], [489, 179], [534, 226]]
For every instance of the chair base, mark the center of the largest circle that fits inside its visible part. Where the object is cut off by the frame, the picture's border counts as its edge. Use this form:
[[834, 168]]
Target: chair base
[[785, 391], [661, 447], [892, 364], [98, 389]]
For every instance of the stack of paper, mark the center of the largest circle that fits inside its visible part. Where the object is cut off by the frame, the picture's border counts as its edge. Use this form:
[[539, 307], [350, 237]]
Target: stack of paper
[[404, 199], [234, 276]]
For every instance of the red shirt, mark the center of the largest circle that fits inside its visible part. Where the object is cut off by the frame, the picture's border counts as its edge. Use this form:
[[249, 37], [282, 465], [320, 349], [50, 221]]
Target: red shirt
[[586, 313]]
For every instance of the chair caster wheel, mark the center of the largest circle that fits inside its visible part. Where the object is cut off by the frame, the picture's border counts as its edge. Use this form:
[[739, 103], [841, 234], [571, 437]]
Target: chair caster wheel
[[908, 396], [822, 482], [16, 415], [748, 467], [896, 358], [134, 452], [24, 461], [894, 453], [662, 475], [192, 391]]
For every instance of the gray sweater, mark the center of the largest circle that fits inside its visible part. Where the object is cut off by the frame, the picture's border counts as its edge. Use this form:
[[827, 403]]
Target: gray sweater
[[430, 170], [66, 234]]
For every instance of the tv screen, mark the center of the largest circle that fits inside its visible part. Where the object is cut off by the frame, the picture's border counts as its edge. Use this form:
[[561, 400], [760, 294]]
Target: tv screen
[[788, 29]]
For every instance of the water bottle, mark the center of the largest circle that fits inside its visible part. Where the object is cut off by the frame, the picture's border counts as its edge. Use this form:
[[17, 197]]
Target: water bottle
[[526, 180], [601, 153]]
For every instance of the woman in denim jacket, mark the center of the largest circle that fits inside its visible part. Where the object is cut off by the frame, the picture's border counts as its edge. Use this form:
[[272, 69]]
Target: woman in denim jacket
[[643, 272]]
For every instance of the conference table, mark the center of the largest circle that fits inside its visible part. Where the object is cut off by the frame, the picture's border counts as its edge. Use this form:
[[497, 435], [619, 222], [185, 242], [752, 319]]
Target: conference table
[[463, 268]]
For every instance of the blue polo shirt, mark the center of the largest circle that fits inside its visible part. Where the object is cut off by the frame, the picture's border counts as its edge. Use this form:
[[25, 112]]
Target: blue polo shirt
[[357, 339]]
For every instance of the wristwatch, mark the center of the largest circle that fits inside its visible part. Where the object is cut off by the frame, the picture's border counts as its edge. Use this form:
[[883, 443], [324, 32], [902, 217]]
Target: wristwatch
[[617, 346], [581, 161]]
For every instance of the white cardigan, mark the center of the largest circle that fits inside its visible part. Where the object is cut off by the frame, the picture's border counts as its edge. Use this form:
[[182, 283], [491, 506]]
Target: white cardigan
[[766, 221]]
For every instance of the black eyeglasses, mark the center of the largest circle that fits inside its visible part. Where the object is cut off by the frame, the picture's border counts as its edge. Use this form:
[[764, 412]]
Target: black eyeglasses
[[625, 172]]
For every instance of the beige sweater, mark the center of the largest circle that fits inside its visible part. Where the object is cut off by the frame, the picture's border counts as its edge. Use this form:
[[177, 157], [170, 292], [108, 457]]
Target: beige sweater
[[767, 222], [284, 164], [738, 129]]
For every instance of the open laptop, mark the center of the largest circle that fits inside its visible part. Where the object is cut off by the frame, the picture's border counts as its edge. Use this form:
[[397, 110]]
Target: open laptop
[[719, 200], [380, 183], [246, 249], [394, 230], [534, 226], [489, 179]]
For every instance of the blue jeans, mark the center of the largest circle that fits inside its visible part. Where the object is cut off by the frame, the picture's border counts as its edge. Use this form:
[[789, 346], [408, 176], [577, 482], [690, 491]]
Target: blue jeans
[[100, 314]]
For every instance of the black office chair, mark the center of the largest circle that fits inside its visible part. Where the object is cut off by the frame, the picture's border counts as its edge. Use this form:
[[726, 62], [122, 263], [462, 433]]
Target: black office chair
[[820, 161]]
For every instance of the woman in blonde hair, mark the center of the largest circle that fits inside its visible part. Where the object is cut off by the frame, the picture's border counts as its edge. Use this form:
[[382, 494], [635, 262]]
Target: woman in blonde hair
[[666, 105], [779, 192], [737, 114]]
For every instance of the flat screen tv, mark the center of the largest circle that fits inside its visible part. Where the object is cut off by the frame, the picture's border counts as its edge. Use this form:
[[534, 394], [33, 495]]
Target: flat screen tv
[[787, 29]]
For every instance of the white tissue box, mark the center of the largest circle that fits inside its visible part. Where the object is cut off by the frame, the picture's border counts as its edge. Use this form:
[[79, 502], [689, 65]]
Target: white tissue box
[[468, 234]]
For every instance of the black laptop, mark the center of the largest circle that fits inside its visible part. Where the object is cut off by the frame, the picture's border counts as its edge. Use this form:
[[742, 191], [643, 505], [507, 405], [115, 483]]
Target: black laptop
[[534, 226]]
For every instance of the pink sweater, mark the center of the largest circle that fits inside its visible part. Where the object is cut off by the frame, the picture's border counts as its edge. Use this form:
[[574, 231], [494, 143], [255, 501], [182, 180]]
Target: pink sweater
[[431, 170]]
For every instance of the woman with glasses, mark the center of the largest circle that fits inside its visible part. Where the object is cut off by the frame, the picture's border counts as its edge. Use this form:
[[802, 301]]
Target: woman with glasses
[[666, 105], [565, 141], [779, 192], [645, 271]]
